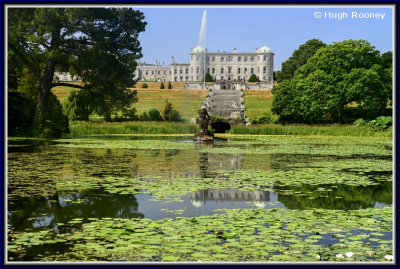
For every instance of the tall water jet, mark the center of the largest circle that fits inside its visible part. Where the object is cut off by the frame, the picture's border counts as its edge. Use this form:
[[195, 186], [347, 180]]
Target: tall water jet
[[203, 31], [202, 44]]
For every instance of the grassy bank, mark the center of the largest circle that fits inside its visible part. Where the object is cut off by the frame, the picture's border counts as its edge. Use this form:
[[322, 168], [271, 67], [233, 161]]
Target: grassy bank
[[85, 128], [187, 102], [300, 129], [257, 103]]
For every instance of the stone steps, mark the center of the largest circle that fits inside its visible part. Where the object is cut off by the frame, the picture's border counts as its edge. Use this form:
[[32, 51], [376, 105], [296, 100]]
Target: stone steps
[[220, 103]]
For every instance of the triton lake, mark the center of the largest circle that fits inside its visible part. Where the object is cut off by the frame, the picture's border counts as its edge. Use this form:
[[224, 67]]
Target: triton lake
[[141, 198]]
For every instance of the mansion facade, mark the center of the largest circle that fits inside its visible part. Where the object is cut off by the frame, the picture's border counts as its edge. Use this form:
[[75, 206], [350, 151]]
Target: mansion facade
[[222, 66]]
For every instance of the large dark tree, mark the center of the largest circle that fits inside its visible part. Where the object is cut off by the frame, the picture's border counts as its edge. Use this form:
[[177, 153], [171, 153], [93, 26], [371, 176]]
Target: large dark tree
[[298, 59], [337, 76], [100, 45]]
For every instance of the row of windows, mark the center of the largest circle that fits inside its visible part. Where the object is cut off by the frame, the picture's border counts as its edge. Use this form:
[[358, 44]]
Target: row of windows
[[239, 78], [158, 72], [230, 58], [228, 69], [239, 70]]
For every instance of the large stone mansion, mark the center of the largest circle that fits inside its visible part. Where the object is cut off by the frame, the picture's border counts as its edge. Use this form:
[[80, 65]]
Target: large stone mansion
[[222, 66], [230, 70]]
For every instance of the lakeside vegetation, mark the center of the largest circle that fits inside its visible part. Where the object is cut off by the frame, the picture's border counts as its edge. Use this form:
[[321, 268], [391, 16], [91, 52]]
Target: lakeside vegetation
[[87, 128]]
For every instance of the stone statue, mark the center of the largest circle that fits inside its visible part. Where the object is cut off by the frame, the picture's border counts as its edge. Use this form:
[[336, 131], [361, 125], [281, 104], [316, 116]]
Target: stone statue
[[203, 134]]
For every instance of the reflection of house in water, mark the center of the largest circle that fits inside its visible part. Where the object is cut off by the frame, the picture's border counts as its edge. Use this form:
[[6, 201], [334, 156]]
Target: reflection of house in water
[[259, 197], [208, 166]]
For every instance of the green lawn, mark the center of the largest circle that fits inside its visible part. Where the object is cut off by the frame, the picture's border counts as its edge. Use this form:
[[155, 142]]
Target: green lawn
[[187, 102], [257, 103]]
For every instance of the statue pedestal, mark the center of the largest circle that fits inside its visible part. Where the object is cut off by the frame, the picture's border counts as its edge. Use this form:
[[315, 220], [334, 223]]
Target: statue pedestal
[[203, 136]]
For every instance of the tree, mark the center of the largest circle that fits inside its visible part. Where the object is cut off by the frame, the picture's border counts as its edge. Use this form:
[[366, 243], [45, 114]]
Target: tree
[[208, 78], [78, 106], [253, 78], [166, 110], [162, 86], [100, 45], [169, 85], [298, 59], [387, 59], [337, 75]]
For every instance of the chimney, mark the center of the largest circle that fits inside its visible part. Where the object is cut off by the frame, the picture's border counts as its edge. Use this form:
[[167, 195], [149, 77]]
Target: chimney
[[172, 61], [234, 50]]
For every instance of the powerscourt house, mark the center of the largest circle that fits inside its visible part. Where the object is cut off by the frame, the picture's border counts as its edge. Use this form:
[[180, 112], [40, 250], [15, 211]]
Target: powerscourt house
[[229, 70]]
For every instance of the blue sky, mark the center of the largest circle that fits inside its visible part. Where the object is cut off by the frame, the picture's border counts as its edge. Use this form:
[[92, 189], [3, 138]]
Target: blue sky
[[173, 31]]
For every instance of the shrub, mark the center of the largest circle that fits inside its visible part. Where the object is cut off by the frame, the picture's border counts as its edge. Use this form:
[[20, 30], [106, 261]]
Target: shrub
[[263, 119], [380, 123], [162, 86], [166, 110], [154, 115], [253, 78], [169, 85], [208, 78], [174, 115], [360, 122], [144, 86]]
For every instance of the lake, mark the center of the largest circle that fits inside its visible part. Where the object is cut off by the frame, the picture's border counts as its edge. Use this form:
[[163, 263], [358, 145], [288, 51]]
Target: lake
[[130, 198]]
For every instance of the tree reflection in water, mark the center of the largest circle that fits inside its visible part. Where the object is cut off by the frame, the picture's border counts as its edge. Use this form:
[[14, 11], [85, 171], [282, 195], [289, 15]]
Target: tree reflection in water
[[46, 212]]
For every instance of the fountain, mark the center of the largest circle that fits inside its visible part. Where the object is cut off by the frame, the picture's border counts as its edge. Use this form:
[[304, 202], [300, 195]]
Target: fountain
[[203, 134]]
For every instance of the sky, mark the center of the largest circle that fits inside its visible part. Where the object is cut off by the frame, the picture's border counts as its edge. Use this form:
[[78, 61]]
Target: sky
[[174, 31]]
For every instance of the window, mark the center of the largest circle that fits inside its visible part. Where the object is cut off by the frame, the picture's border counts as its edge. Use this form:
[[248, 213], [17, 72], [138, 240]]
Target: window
[[213, 70], [208, 69], [245, 58], [187, 71], [239, 59], [222, 70], [197, 70], [175, 71], [158, 72], [187, 78], [229, 59], [258, 69], [222, 59], [229, 70], [175, 79], [245, 70], [252, 70], [180, 71], [152, 72], [258, 58], [181, 78], [238, 70], [164, 72], [265, 57], [208, 59], [270, 58], [146, 73], [197, 58], [265, 70], [213, 58], [252, 59]]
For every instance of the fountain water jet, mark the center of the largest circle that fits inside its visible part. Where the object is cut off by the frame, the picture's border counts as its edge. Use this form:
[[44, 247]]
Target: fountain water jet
[[203, 31]]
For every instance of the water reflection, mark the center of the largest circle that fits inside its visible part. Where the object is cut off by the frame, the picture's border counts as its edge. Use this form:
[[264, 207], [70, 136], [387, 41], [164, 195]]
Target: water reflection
[[338, 197], [229, 194], [61, 208]]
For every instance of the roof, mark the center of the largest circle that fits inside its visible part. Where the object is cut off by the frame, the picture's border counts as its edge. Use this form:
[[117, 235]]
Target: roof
[[264, 49], [198, 49]]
